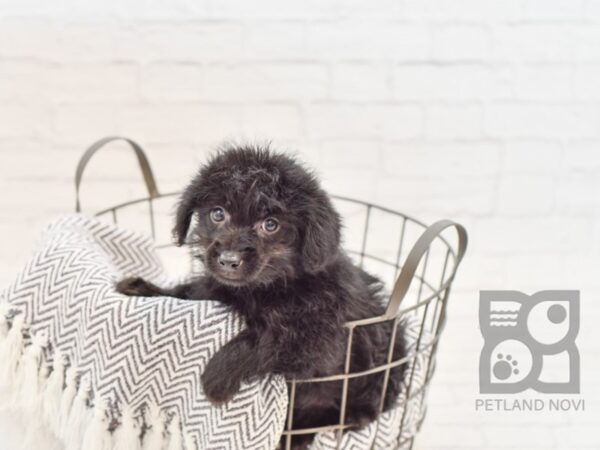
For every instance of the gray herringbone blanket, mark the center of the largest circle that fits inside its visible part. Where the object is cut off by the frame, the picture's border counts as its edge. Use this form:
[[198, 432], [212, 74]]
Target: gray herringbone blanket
[[106, 371]]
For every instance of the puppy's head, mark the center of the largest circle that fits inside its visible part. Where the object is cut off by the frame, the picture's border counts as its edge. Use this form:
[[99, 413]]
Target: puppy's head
[[262, 217]]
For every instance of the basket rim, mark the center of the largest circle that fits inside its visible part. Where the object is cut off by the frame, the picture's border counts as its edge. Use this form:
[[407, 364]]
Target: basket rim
[[365, 203]]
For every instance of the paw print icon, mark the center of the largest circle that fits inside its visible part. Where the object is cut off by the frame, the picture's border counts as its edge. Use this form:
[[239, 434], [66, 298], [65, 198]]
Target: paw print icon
[[503, 368], [529, 342]]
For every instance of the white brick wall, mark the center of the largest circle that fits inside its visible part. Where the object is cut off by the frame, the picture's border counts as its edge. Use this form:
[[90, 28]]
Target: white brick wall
[[483, 111]]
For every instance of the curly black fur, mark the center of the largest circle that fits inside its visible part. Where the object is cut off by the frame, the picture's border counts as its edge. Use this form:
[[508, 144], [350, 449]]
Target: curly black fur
[[294, 286]]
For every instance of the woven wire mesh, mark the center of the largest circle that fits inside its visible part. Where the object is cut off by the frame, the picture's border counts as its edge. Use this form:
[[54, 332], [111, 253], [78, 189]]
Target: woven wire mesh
[[416, 263]]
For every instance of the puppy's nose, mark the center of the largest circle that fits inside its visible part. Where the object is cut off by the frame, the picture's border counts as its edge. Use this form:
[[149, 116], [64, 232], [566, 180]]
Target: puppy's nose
[[230, 260]]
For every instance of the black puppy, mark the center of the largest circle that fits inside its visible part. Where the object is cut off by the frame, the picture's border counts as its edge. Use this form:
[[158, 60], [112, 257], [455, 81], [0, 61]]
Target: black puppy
[[270, 241]]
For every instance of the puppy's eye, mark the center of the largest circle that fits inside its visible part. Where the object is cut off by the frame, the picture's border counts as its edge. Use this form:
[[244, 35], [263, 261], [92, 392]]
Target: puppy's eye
[[270, 225], [217, 214]]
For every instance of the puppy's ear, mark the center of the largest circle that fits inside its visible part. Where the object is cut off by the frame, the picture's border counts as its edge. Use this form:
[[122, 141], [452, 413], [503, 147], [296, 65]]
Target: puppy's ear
[[321, 235], [185, 210]]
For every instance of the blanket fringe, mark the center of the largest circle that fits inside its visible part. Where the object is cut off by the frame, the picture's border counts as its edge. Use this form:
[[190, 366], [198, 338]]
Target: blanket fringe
[[175, 438], [97, 436], [30, 378], [127, 436], [188, 442], [10, 353], [4, 325], [66, 401], [154, 436], [51, 400], [79, 416], [63, 401]]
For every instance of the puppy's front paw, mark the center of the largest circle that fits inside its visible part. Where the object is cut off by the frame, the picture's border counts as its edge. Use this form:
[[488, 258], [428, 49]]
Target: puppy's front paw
[[136, 286], [361, 416], [219, 388]]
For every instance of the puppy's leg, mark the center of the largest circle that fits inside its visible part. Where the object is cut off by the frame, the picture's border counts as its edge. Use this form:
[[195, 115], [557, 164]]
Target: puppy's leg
[[136, 286], [232, 364]]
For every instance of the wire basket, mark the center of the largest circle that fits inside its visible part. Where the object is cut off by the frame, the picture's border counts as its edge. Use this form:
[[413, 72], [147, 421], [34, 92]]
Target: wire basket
[[416, 262]]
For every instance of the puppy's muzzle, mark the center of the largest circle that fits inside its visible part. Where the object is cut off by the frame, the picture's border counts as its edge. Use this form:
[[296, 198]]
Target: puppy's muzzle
[[230, 260]]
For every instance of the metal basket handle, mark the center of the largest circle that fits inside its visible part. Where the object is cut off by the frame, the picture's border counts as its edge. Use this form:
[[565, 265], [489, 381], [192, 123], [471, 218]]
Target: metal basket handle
[[413, 259], [141, 157]]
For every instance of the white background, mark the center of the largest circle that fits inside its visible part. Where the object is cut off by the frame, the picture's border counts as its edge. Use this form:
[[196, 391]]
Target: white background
[[486, 112]]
